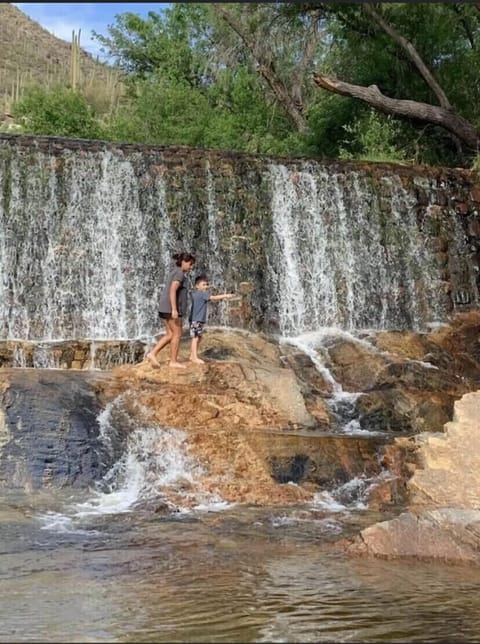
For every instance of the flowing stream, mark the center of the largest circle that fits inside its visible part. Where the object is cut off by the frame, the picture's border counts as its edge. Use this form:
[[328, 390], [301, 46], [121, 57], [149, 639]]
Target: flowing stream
[[117, 566]]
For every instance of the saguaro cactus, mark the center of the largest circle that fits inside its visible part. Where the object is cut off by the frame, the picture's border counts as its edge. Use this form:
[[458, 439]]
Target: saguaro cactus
[[75, 59]]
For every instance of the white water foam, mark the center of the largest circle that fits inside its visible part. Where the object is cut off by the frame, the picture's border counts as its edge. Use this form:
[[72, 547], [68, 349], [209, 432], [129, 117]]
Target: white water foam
[[155, 466], [57, 522], [311, 345], [98, 258], [352, 495], [342, 404], [336, 259]]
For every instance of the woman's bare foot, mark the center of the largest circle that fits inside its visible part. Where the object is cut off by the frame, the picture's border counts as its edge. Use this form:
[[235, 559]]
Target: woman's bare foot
[[153, 361], [177, 365], [197, 360]]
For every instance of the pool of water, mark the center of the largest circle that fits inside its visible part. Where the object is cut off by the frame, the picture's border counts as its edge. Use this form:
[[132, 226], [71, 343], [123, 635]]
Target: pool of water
[[242, 574]]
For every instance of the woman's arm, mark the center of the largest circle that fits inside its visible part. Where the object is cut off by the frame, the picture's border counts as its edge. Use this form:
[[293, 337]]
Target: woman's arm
[[174, 286]]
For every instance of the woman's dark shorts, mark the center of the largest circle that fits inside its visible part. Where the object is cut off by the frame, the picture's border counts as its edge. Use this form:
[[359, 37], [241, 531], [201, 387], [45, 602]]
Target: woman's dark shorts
[[166, 316]]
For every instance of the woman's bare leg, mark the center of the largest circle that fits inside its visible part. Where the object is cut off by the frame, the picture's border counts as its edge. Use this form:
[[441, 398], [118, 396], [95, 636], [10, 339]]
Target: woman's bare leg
[[176, 328], [163, 341]]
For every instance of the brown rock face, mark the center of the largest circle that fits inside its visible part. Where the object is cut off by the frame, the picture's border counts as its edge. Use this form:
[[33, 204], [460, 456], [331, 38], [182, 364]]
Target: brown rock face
[[443, 521], [409, 381], [246, 422], [443, 534]]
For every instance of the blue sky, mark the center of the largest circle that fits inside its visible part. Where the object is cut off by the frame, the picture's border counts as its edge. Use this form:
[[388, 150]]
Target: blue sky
[[60, 18]]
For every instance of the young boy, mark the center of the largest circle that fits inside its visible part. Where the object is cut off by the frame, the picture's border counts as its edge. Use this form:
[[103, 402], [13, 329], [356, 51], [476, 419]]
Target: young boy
[[198, 313]]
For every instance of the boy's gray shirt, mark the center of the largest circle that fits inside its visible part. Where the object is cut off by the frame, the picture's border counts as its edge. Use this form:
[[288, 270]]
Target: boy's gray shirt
[[164, 306], [198, 312]]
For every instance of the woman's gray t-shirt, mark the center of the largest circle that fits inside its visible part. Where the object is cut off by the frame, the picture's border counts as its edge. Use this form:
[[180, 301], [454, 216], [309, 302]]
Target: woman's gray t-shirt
[[177, 275]]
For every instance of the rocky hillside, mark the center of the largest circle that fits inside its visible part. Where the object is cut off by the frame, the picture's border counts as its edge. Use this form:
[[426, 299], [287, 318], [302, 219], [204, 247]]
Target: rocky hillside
[[30, 54]]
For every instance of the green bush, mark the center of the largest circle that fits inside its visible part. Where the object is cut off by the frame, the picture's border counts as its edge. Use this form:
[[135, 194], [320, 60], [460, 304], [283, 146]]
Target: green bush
[[58, 111], [373, 137]]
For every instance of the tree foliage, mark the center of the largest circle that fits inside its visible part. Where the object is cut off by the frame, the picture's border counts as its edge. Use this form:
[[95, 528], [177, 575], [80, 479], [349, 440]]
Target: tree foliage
[[424, 53]]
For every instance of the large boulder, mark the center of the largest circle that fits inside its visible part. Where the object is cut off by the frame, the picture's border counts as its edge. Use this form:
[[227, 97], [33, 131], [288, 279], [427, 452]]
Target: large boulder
[[49, 430], [245, 420], [408, 381], [442, 520]]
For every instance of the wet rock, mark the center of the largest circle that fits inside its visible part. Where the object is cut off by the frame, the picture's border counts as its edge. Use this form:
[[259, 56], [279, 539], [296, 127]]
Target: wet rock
[[246, 386], [404, 411], [354, 365], [324, 460], [410, 381], [443, 535], [403, 344], [313, 382], [258, 416], [72, 354], [49, 429], [314, 387]]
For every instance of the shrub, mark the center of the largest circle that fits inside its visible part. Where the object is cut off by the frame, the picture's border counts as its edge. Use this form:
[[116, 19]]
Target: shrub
[[58, 111]]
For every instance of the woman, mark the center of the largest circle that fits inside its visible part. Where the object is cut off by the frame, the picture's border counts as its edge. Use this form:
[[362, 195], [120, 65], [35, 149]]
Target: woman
[[172, 309]]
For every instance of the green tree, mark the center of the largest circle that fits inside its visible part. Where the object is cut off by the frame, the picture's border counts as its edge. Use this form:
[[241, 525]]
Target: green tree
[[417, 62], [191, 81], [375, 138], [247, 76], [173, 44]]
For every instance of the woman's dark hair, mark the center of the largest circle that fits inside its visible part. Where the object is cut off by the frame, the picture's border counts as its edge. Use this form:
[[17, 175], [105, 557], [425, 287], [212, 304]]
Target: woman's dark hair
[[183, 257]]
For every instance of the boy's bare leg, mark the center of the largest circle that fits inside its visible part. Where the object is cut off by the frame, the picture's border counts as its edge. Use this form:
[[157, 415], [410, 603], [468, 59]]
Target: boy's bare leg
[[194, 351], [175, 344]]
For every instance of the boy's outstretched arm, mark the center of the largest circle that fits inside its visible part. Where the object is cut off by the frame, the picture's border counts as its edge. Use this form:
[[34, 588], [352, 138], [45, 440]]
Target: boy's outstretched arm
[[224, 296]]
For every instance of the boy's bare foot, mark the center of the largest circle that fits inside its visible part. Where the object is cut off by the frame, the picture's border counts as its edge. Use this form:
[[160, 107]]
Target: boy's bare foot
[[153, 361], [177, 365], [197, 360]]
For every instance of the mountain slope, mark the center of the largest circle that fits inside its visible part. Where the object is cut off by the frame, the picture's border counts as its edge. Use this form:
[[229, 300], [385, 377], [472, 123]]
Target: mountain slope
[[30, 54]]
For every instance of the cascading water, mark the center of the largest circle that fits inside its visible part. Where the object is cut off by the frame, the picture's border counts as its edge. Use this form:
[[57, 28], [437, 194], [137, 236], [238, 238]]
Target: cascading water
[[216, 274], [340, 261], [81, 257], [342, 404], [150, 464]]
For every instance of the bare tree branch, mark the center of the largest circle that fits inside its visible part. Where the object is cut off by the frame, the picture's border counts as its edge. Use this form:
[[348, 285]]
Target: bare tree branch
[[434, 114], [413, 54]]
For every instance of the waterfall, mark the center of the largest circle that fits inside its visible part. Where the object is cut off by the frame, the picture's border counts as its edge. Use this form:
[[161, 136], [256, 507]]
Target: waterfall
[[87, 231], [150, 464], [215, 276], [80, 256], [341, 261]]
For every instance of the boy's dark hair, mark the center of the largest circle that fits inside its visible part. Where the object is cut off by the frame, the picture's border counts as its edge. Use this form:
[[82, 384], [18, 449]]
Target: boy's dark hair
[[201, 278]]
